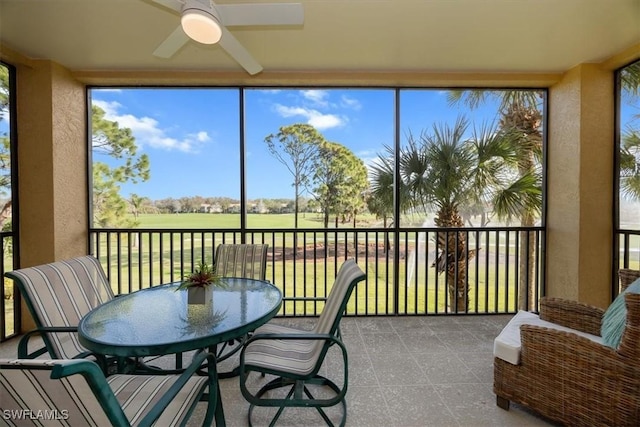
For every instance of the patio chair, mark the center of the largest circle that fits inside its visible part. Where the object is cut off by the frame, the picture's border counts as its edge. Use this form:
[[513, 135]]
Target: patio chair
[[566, 364], [242, 260], [75, 392], [58, 295], [295, 356], [239, 260]]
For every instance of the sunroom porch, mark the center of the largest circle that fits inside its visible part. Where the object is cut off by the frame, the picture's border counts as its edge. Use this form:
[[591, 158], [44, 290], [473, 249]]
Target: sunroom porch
[[403, 371]]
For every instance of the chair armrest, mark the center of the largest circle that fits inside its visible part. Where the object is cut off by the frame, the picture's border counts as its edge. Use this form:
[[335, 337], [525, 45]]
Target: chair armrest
[[303, 335], [294, 336], [553, 349], [97, 381], [572, 314], [23, 344]]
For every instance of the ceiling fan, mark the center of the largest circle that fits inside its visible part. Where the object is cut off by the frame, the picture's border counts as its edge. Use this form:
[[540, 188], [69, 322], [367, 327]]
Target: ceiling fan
[[207, 22]]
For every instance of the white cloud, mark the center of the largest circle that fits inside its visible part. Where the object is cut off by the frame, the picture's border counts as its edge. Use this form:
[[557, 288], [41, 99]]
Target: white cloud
[[202, 136], [314, 117], [110, 108], [369, 157], [325, 121], [348, 102], [318, 97], [148, 132], [112, 90]]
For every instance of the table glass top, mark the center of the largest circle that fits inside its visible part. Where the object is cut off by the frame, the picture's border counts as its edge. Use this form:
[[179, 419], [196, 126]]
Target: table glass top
[[158, 320]]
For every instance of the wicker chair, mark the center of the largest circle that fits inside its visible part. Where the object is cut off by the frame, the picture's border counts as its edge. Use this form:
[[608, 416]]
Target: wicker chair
[[571, 378], [627, 276]]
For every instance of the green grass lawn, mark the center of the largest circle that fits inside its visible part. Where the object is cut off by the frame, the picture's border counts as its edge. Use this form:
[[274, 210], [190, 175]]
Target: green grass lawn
[[206, 220]]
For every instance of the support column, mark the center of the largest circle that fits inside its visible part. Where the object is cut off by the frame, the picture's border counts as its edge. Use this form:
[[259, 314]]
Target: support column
[[52, 165], [580, 185]]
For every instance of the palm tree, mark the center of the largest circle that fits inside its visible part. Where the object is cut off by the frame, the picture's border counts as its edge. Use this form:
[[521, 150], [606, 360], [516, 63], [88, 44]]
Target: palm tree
[[382, 190], [444, 171], [520, 116], [630, 78], [629, 153]]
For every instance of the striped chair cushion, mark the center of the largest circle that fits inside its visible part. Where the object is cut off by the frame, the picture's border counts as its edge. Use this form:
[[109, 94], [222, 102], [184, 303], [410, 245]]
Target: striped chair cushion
[[138, 393], [292, 356], [73, 399], [61, 293], [348, 275], [242, 260]]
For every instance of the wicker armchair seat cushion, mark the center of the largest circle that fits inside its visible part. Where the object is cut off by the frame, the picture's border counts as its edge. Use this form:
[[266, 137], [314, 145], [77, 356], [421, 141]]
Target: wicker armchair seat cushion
[[615, 318], [507, 344]]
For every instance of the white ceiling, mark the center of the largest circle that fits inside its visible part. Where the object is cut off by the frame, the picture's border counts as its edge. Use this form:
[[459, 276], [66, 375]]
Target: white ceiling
[[337, 35]]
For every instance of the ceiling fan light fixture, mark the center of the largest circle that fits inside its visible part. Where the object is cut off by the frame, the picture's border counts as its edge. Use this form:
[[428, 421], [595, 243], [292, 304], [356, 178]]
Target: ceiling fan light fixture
[[200, 23]]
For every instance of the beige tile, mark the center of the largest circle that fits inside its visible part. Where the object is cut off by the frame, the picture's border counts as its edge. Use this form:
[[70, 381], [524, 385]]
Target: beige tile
[[403, 372]]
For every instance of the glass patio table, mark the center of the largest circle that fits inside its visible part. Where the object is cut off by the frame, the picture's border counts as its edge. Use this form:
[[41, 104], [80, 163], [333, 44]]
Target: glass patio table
[[158, 321]]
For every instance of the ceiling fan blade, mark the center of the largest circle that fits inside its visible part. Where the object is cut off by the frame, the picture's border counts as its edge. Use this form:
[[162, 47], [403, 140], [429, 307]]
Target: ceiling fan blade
[[261, 14], [172, 44], [170, 4], [233, 47]]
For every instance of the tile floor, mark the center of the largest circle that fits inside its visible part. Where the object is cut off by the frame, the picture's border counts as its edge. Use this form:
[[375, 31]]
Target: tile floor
[[403, 371]]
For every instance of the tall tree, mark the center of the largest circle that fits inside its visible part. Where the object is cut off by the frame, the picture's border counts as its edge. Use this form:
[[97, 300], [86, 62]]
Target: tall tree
[[296, 147], [381, 194], [444, 170], [5, 151], [340, 180], [630, 78], [139, 204], [520, 116], [629, 153], [383, 186], [123, 164], [4, 92]]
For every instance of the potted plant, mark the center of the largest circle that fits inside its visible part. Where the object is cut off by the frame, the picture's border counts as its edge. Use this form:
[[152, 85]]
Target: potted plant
[[199, 284]]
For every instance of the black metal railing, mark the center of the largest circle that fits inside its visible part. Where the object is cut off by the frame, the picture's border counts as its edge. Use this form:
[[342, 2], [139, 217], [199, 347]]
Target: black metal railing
[[628, 249], [501, 264], [9, 297], [500, 269]]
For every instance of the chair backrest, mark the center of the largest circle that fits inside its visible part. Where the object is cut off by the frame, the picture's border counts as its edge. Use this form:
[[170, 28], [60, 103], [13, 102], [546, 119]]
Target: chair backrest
[[627, 277], [348, 276], [42, 391], [242, 260], [60, 294]]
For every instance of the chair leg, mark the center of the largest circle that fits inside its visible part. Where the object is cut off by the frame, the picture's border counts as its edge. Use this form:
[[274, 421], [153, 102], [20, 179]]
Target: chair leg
[[222, 355], [502, 402], [293, 398]]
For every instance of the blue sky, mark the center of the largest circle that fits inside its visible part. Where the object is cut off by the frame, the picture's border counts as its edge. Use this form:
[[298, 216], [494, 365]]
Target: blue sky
[[192, 136]]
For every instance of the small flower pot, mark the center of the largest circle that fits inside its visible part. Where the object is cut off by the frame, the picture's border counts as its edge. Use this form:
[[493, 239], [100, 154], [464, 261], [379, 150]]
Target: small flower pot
[[200, 295]]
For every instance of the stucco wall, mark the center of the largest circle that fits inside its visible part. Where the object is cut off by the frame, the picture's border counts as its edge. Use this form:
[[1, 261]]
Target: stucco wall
[[580, 185]]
